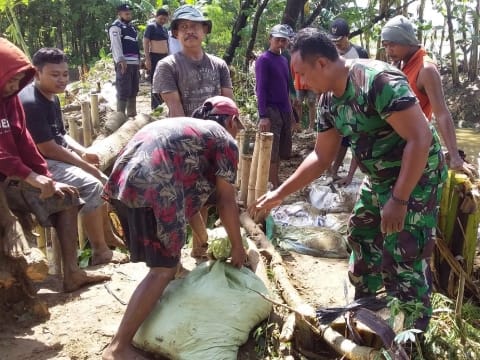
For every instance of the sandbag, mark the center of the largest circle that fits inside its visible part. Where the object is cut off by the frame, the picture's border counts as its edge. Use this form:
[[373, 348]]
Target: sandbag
[[206, 315]]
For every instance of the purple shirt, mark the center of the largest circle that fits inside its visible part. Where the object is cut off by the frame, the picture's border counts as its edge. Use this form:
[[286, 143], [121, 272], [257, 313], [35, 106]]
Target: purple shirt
[[272, 74]]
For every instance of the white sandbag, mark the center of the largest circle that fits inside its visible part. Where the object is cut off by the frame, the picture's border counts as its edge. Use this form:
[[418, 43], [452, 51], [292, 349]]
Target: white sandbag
[[333, 199], [206, 315]]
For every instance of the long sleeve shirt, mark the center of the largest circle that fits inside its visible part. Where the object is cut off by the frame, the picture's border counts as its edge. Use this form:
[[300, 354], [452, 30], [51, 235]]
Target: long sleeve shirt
[[272, 83]]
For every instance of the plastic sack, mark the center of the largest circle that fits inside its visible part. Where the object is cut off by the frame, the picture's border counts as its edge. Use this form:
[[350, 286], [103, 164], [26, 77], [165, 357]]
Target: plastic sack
[[313, 240], [206, 315], [328, 198]]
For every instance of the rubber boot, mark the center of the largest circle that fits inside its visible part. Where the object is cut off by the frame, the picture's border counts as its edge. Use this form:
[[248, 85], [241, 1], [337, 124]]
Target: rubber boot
[[132, 107], [121, 106]]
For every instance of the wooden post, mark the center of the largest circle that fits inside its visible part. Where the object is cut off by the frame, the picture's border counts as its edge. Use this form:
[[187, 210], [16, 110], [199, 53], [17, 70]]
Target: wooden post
[[94, 110], [87, 124], [240, 140], [41, 239], [263, 168], [246, 164], [55, 258], [82, 238], [253, 171], [73, 129]]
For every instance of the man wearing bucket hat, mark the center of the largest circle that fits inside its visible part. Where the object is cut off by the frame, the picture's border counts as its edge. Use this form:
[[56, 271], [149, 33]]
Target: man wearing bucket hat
[[187, 78], [126, 55], [155, 215], [272, 75], [402, 47]]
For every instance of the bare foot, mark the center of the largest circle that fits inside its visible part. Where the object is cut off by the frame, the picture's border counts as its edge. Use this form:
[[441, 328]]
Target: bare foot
[[80, 278], [109, 256], [129, 353], [113, 240]]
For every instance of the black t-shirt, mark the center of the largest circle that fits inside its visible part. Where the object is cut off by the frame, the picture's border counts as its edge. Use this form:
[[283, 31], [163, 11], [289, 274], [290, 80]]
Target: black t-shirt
[[155, 32], [44, 117]]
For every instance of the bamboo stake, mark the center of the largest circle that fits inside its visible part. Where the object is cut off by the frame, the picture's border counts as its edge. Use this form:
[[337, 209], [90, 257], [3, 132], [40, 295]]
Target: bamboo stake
[[73, 130], [82, 238], [263, 168], [94, 110], [240, 140], [55, 259], [246, 165], [253, 171], [87, 124], [41, 239]]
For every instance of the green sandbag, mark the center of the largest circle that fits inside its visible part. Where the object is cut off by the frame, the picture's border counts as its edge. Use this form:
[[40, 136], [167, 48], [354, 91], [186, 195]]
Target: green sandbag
[[206, 315]]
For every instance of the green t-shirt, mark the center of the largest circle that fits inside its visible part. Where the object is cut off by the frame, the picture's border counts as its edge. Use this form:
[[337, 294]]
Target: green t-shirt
[[374, 91]]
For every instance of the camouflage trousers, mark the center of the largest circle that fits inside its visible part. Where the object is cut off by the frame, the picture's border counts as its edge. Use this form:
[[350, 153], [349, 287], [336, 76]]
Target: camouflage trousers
[[398, 261]]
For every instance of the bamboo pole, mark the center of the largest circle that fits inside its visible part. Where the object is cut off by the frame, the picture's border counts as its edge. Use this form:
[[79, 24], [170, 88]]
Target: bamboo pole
[[73, 130], [55, 258], [82, 238], [263, 167], [94, 110], [240, 140], [246, 165], [87, 124], [41, 239], [253, 171]]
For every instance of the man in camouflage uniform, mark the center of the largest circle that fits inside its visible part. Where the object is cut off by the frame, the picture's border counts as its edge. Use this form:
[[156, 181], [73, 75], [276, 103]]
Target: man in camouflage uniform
[[392, 228]]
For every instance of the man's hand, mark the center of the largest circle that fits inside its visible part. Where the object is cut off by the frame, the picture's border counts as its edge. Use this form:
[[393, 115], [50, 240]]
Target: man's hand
[[264, 125], [91, 158], [457, 163], [393, 217], [239, 256], [265, 203], [61, 189], [45, 184], [123, 67], [148, 65], [344, 181]]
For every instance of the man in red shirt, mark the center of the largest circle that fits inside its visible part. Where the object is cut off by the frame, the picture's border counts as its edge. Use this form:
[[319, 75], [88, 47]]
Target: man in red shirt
[[24, 174]]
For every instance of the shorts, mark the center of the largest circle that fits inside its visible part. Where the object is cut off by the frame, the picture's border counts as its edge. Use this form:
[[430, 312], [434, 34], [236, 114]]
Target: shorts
[[127, 84], [23, 197], [140, 229], [89, 187], [281, 127], [303, 94]]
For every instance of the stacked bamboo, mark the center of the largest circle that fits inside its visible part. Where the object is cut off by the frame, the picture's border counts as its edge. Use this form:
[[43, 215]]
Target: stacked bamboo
[[254, 170], [458, 225]]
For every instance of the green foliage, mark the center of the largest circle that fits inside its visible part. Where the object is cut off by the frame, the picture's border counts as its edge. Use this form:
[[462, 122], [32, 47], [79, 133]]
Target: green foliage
[[84, 257]]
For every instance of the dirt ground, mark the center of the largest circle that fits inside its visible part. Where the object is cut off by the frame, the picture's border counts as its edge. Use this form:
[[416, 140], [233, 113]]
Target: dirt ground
[[82, 323]]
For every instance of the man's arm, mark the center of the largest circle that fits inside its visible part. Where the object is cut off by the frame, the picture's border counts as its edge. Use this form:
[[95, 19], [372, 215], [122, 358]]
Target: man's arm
[[228, 92], [326, 148], [174, 103], [146, 50], [429, 80], [51, 150], [229, 214], [412, 126], [115, 34]]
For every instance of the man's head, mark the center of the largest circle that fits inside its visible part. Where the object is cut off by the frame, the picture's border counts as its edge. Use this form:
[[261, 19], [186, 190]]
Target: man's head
[[280, 36], [16, 70], [339, 31], [399, 38], [223, 110], [124, 12], [313, 54], [52, 70], [161, 17], [189, 26]]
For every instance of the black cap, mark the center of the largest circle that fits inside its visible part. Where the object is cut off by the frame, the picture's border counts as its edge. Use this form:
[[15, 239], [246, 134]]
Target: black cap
[[339, 29], [124, 7]]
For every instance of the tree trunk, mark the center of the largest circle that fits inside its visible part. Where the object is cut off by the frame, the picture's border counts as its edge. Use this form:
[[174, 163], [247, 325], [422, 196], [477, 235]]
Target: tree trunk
[[240, 23], [451, 34], [256, 19], [421, 11], [473, 68], [464, 43], [19, 266], [292, 10]]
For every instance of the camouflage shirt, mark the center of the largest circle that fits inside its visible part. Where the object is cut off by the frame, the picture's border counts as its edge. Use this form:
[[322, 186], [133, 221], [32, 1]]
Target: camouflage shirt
[[374, 91]]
